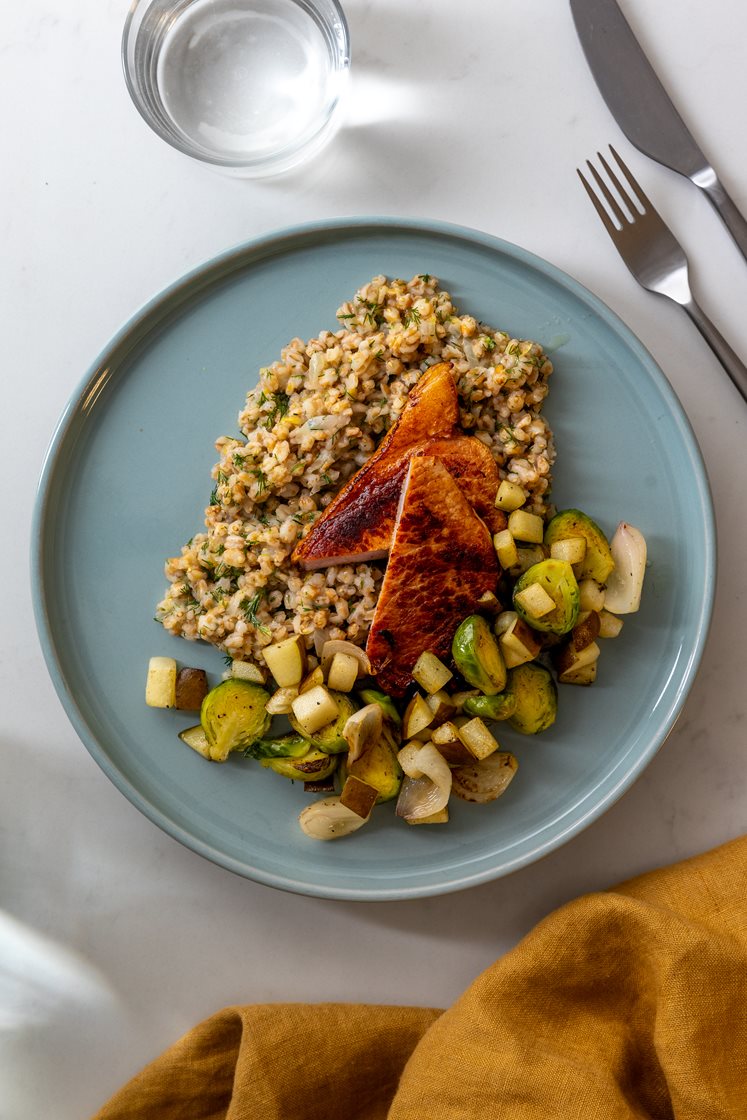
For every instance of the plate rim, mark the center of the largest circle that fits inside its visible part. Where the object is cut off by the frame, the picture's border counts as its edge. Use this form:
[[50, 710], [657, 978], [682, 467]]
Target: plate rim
[[168, 302]]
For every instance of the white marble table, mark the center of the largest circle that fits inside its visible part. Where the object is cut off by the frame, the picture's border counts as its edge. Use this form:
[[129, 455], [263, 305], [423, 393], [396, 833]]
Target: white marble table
[[113, 938]]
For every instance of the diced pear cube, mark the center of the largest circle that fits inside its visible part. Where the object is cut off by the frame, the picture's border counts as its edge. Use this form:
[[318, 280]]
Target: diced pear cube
[[417, 717], [590, 595], [609, 625], [160, 684], [343, 672], [315, 709], [441, 817], [505, 549], [525, 526], [442, 706], [570, 661], [535, 600], [247, 671], [570, 549], [510, 496], [358, 796], [286, 661], [477, 739], [430, 672], [519, 643]]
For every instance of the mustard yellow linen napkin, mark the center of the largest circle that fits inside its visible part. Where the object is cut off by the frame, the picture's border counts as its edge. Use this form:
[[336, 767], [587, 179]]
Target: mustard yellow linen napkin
[[625, 1004]]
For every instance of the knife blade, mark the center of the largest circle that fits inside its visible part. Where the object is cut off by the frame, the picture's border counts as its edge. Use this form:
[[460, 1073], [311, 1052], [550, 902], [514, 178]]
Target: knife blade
[[642, 107]]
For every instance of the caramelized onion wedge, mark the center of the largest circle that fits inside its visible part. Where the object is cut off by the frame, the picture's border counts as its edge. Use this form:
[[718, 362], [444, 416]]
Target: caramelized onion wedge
[[427, 783], [486, 780], [624, 586], [362, 730], [329, 819]]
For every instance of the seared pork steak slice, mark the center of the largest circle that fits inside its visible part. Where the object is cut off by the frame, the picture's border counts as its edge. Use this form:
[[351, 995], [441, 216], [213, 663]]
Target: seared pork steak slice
[[441, 562], [358, 523]]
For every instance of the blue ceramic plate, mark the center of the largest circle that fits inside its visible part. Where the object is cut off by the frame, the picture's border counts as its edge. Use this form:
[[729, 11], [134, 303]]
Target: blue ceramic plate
[[128, 475]]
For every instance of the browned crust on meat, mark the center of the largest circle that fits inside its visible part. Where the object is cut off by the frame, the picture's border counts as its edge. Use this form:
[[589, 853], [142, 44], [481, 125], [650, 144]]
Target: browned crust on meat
[[442, 560], [360, 520], [472, 466]]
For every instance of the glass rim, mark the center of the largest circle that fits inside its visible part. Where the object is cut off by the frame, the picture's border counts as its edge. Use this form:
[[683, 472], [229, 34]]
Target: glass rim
[[283, 158]]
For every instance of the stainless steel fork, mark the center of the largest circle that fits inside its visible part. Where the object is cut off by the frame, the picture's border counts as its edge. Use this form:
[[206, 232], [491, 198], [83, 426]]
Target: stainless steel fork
[[654, 256]]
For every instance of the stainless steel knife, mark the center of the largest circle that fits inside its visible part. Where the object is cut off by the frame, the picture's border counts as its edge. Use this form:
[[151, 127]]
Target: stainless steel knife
[[642, 107]]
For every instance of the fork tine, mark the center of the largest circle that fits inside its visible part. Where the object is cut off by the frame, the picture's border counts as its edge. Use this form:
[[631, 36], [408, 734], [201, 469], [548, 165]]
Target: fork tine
[[635, 186], [612, 202], [609, 225]]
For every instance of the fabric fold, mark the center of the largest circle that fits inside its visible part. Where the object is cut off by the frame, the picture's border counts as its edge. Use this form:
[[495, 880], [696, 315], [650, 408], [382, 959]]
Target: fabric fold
[[623, 1004]]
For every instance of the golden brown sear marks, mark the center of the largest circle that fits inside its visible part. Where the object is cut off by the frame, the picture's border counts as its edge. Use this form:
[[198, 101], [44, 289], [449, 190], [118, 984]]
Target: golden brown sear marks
[[442, 560], [472, 466], [358, 524]]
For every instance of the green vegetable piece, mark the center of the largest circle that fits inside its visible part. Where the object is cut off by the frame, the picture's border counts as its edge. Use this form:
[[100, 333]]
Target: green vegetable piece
[[233, 716], [379, 767], [373, 696], [285, 746], [598, 562], [536, 697], [196, 738], [557, 579], [330, 738], [478, 657], [500, 706], [310, 767]]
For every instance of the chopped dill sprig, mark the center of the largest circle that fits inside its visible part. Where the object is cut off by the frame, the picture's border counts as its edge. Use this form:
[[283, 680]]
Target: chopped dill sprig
[[225, 571], [214, 500], [326, 478], [374, 315], [425, 277], [411, 316], [227, 660], [261, 479], [250, 608], [280, 405], [488, 342]]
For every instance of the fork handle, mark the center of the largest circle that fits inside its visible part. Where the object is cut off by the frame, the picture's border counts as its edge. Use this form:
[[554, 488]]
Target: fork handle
[[732, 364], [724, 205]]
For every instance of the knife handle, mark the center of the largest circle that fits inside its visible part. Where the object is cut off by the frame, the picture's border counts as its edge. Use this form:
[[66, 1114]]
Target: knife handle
[[733, 219], [729, 360]]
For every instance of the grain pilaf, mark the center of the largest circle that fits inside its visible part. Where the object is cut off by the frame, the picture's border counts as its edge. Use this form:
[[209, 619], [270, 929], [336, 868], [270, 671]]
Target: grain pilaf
[[312, 421]]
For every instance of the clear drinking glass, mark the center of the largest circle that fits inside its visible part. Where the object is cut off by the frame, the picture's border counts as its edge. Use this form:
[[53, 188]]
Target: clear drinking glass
[[251, 87]]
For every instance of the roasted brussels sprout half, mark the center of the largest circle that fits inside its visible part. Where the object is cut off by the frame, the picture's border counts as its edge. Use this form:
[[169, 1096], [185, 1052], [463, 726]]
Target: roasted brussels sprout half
[[374, 696], [598, 562], [378, 767], [500, 706], [330, 738], [556, 581], [477, 656], [312, 766], [234, 715], [536, 697], [286, 746]]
